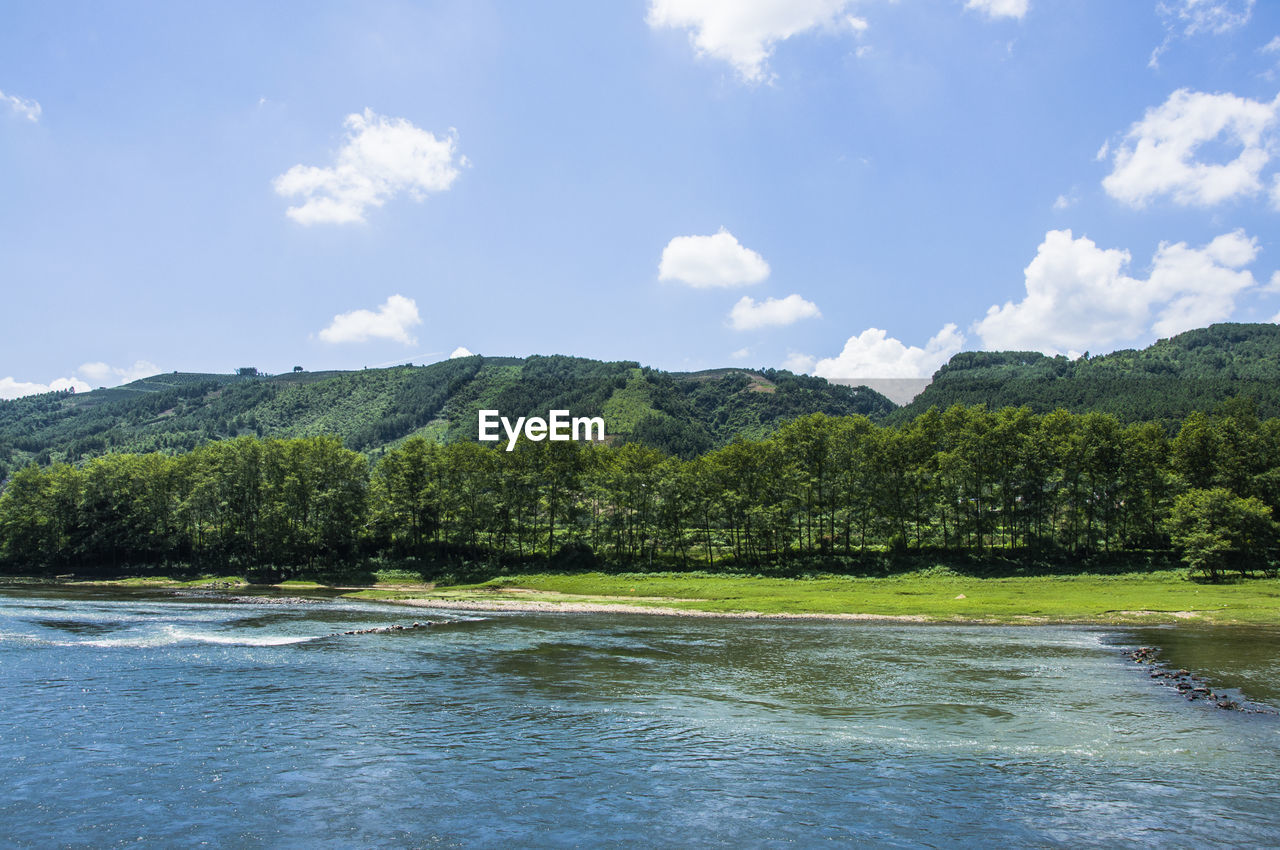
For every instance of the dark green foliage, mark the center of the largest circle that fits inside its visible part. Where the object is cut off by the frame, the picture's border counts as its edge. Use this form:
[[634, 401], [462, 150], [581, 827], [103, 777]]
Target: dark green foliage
[[726, 467], [1219, 531], [684, 439], [373, 409], [1194, 371], [835, 490], [416, 401]]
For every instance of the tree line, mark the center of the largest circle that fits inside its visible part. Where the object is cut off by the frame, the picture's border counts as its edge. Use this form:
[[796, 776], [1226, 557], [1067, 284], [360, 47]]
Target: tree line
[[966, 479]]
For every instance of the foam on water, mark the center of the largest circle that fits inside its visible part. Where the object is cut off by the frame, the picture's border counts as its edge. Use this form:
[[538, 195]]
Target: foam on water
[[223, 639], [173, 636]]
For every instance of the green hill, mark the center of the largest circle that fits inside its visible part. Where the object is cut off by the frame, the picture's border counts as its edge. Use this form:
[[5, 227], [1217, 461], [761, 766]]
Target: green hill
[[1196, 370], [682, 413]]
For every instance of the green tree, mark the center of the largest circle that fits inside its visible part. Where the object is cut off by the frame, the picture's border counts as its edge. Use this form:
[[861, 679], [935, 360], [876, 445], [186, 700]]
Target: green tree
[[1218, 530]]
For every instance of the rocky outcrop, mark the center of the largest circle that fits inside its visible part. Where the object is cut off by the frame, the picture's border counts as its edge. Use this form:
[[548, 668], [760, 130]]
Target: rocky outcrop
[[1186, 683], [387, 629]]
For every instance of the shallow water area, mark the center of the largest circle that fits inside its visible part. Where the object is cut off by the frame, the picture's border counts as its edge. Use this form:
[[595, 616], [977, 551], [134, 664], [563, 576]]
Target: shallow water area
[[173, 720]]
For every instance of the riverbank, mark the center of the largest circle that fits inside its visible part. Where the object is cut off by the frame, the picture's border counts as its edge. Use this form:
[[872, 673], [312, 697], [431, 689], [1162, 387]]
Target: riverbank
[[930, 596], [936, 595]]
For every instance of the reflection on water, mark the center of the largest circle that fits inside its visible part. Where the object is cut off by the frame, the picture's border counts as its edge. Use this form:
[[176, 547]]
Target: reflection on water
[[174, 721], [1244, 657]]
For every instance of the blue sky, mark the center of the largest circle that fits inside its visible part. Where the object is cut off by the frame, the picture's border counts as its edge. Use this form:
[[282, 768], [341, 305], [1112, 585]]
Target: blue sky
[[856, 188]]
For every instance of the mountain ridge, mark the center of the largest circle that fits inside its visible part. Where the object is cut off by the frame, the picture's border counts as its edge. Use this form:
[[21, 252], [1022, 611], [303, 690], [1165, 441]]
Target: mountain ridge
[[683, 413], [1166, 381]]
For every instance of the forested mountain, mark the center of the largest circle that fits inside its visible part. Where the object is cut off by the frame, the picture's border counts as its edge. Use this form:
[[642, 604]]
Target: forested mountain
[[188, 469], [1196, 370], [685, 414], [680, 413]]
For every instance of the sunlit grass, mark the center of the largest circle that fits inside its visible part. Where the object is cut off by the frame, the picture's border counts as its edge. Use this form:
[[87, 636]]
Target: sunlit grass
[[156, 581], [1162, 597]]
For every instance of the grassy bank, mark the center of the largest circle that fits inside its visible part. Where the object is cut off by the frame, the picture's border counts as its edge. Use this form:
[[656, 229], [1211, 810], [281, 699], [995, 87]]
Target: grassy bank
[[937, 594], [933, 595], [213, 582]]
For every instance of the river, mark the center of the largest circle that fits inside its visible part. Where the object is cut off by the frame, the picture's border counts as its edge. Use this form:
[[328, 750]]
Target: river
[[144, 717]]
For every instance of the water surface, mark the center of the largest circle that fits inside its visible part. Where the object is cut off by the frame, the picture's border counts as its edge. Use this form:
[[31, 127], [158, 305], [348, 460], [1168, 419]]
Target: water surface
[[144, 717]]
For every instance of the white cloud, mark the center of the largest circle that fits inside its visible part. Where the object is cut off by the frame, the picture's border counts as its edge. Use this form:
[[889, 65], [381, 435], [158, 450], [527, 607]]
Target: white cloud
[[1272, 46], [1078, 296], [382, 157], [711, 261], [28, 109], [748, 314], [999, 8], [744, 32], [84, 379], [798, 363], [875, 354], [741, 354], [1066, 201], [1157, 155], [10, 388], [1186, 18], [1195, 287], [460, 351], [1275, 192], [103, 375], [392, 321], [1213, 16]]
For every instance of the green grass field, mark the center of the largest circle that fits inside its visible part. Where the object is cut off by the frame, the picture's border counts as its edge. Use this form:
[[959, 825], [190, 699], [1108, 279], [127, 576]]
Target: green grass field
[[935, 595]]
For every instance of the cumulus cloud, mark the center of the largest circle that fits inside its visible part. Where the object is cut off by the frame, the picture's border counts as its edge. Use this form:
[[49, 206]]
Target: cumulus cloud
[[798, 363], [741, 354], [1195, 287], [381, 158], [460, 351], [11, 388], [999, 8], [104, 375], [1078, 296], [1158, 154], [744, 32], [711, 261], [875, 354], [84, 379], [748, 314], [391, 321], [28, 109]]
